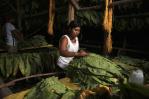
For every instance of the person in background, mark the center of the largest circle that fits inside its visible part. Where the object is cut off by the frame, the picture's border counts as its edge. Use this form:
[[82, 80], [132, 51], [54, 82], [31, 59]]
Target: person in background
[[12, 35], [69, 45]]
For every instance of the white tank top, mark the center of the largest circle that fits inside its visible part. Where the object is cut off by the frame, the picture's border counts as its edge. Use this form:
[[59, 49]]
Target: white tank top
[[71, 47]]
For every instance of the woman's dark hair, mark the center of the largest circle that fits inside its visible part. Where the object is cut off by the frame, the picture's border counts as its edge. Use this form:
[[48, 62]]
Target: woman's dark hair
[[72, 25]]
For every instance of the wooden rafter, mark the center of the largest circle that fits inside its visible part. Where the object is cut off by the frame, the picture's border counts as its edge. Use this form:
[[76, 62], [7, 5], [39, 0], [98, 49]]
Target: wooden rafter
[[115, 3], [133, 15], [75, 4], [78, 8], [118, 48], [90, 8]]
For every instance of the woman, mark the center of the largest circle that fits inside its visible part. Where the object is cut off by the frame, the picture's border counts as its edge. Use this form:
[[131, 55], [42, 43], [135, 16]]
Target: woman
[[12, 35], [89, 71], [69, 45]]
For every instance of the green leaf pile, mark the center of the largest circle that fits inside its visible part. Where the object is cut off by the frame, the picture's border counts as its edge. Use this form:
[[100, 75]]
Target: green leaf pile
[[94, 69], [50, 88]]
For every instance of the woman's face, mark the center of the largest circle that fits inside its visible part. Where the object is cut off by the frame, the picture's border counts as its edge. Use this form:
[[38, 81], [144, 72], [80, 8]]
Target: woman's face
[[75, 32]]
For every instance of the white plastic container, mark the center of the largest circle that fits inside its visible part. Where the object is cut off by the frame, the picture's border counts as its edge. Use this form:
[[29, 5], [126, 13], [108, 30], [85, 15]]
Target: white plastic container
[[137, 77]]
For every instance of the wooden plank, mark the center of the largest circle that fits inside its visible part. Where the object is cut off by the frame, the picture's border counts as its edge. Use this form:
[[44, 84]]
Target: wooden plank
[[38, 47], [11, 83], [75, 4], [78, 8], [133, 15], [118, 48], [122, 2], [31, 48], [90, 8], [38, 14]]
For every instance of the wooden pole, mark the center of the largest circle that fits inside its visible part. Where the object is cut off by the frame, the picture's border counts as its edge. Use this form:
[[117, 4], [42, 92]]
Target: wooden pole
[[75, 4], [71, 13], [107, 26], [51, 16], [11, 83]]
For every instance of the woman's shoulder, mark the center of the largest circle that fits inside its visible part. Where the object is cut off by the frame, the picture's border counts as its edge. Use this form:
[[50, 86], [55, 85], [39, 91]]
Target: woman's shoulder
[[64, 37], [9, 24]]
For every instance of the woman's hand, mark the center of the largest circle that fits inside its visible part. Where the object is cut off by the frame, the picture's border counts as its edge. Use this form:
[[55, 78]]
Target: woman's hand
[[82, 53]]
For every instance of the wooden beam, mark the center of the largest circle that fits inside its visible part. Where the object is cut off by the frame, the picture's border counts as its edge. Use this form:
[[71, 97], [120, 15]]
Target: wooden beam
[[36, 47], [118, 48], [75, 4], [90, 8], [78, 8], [38, 14], [11, 83], [122, 2], [58, 10], [133, 15]]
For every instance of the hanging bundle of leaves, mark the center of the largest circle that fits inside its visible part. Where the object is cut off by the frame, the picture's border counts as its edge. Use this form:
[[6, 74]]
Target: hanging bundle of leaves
[[27, 63], [71, 12], [51, 16], [107, 25]]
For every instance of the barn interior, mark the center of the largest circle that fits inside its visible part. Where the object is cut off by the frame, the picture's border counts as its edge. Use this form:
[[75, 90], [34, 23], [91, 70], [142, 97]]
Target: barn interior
[[113, 31]]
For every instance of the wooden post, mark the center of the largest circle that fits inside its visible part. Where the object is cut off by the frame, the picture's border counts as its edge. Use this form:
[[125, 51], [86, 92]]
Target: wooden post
[[75, 4], [51, 16], [107, 26], [71, 12]]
